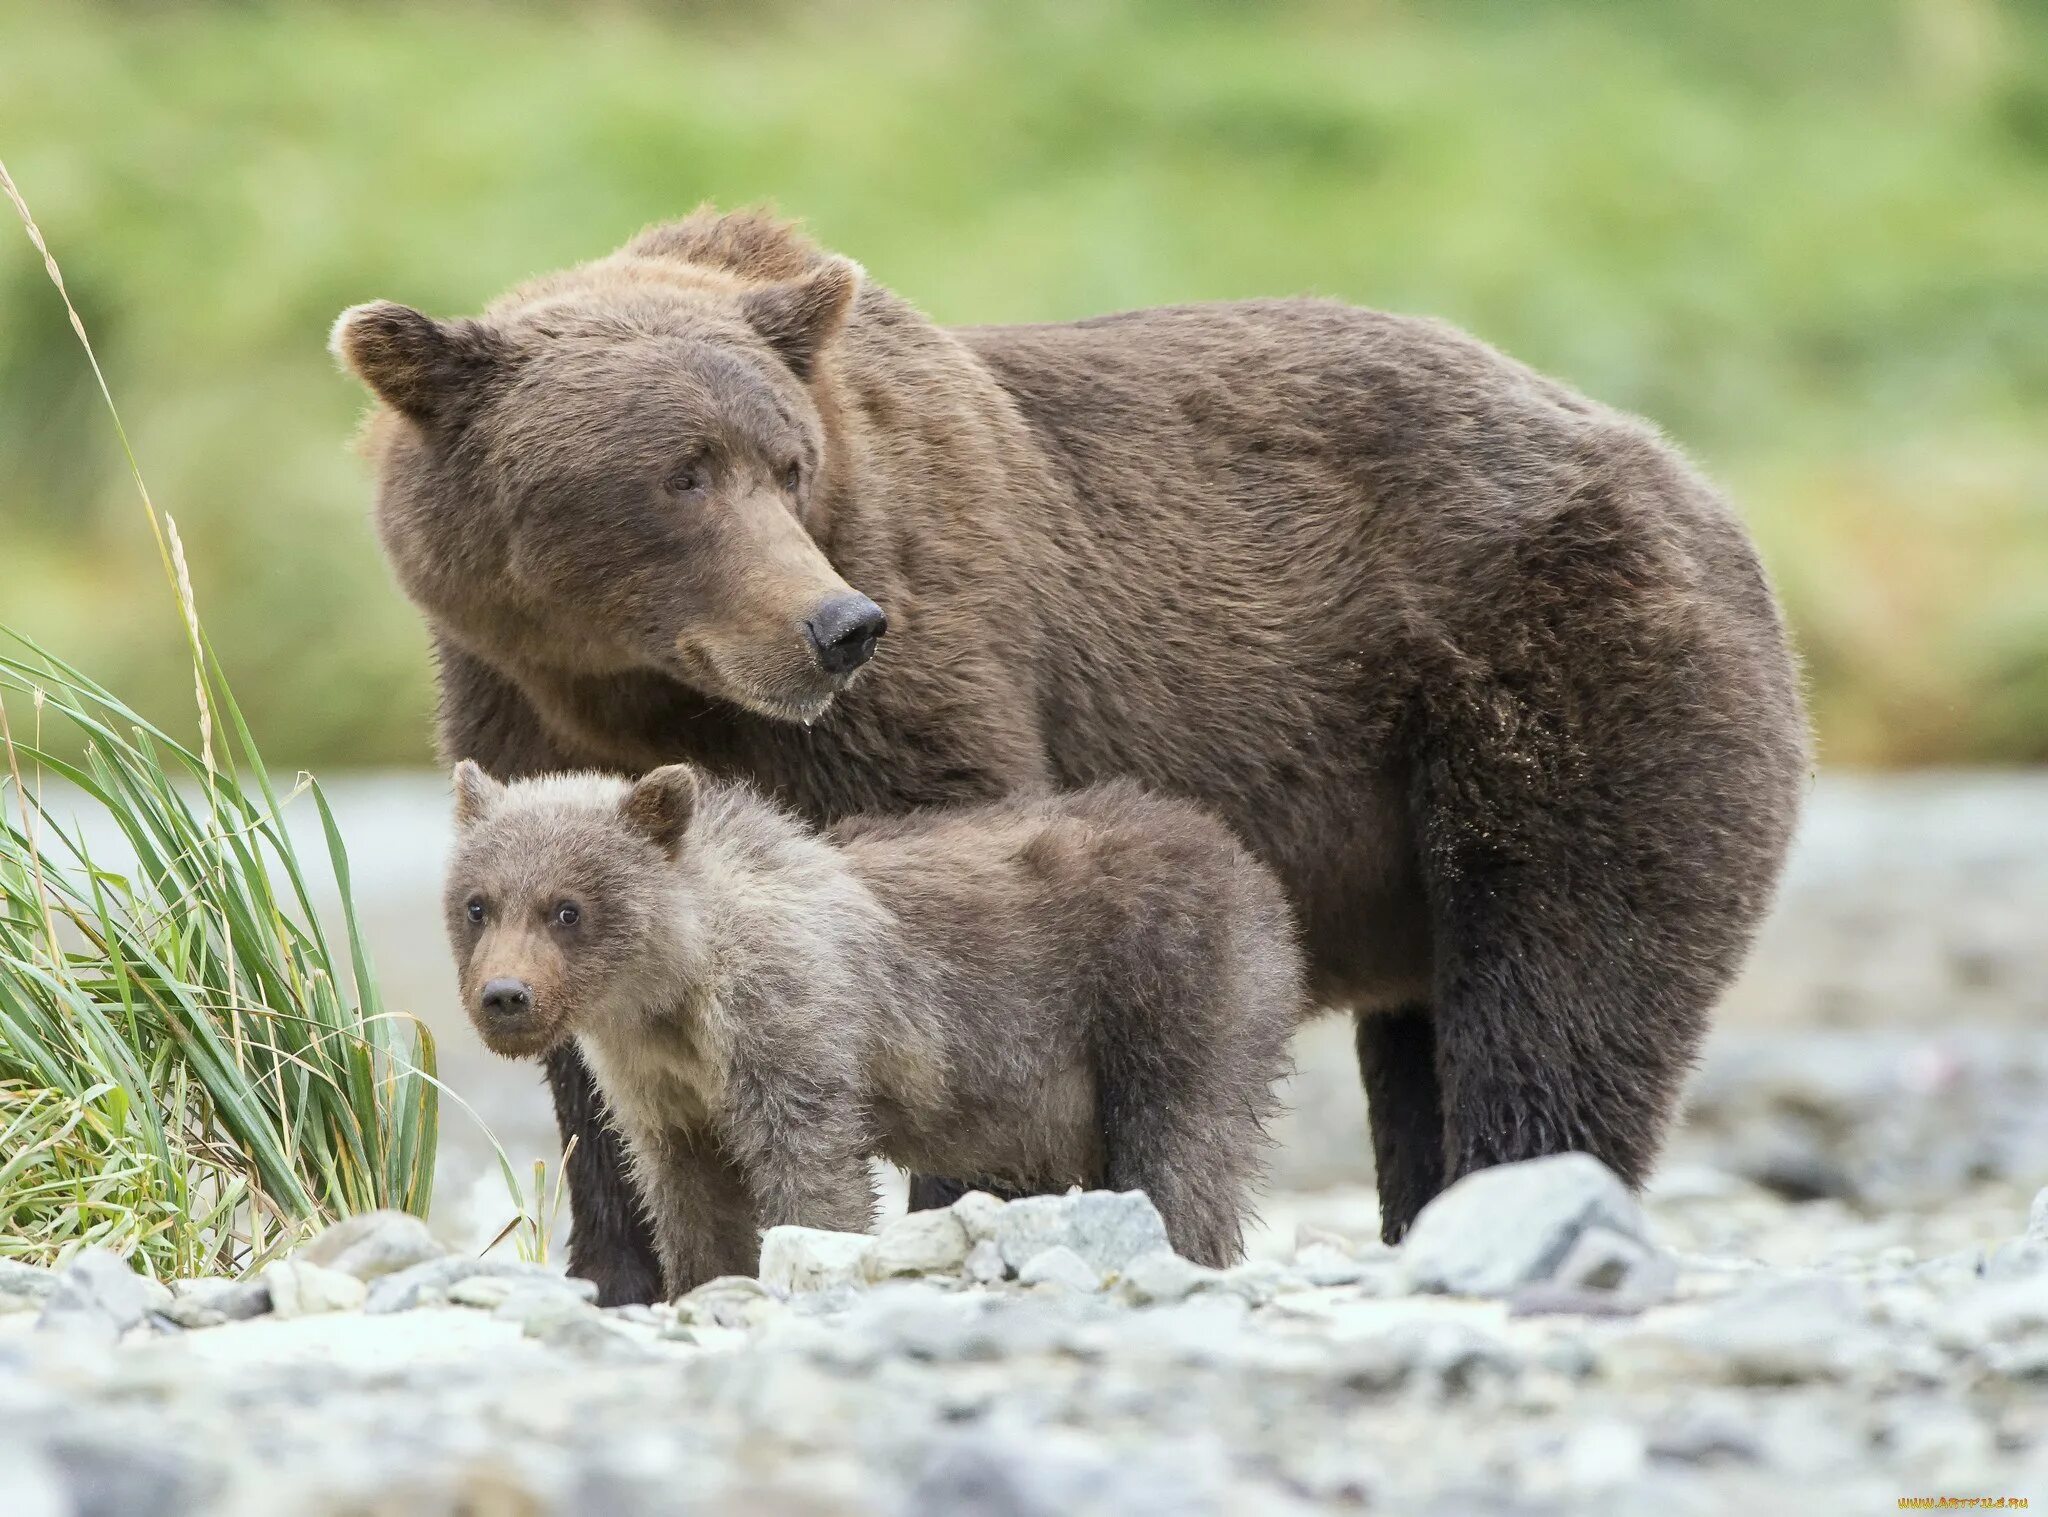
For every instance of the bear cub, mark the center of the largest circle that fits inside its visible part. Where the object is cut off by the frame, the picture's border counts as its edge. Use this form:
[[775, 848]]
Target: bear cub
[[1095, 988]]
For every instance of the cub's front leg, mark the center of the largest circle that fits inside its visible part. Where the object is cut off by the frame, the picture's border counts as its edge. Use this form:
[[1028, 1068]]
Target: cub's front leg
[[699, 1206], [802, 1144]]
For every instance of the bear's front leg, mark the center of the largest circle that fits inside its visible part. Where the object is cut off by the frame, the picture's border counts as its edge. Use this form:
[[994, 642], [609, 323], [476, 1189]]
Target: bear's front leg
[[698, 1203], [803, 1147]]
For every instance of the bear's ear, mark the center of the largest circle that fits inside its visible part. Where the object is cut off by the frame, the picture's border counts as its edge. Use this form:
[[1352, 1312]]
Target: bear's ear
[[475, 793], [660, 805], [800, 318], [425, 368]]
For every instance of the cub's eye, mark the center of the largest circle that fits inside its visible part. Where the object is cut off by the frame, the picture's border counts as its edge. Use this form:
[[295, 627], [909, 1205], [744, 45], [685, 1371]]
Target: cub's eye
[[792, 477], [568, 914], [476, 911], [691, 476]]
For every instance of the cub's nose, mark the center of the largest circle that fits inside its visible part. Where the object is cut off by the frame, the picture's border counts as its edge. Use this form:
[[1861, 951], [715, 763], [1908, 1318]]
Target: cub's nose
[[507, 998], [844, 631]]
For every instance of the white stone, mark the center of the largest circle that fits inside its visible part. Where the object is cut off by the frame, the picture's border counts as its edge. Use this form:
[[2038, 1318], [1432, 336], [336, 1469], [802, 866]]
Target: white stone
[[1162, 1277], [1060, 1267], [300, 1289], [1107, 1229], [1499, 1230], [810, 1259], [978, 1212], [985, 1263], [918, 1243]]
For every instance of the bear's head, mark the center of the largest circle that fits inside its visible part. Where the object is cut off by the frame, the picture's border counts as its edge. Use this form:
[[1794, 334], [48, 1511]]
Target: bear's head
[[563, 900], [623, 468]]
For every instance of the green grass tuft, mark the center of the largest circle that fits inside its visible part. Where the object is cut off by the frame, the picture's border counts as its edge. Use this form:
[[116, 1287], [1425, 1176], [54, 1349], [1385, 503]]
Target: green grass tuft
[[191, 1073]]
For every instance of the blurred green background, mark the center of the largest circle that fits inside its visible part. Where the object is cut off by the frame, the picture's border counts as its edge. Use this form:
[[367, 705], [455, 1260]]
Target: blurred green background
[[1809, 239]]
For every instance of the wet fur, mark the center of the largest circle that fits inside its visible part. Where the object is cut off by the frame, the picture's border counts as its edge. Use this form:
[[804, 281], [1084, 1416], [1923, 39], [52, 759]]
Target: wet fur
[[1093, 989], [1483, 670]]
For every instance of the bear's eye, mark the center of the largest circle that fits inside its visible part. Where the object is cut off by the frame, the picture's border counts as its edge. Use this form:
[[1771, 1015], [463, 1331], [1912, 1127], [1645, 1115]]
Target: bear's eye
[[476, 910], [691, 476], [568, 914], [792, 477]]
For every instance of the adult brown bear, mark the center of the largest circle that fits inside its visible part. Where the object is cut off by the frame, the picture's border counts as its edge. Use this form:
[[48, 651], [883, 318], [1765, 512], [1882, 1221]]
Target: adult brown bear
[[1484, 671]]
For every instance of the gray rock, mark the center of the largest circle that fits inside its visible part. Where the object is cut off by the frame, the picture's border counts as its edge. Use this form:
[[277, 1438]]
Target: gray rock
[[1500, 1230], [918, 1243], [372, 1244], [1447, 1357], [1162, 1277], [1108, 1229], [1059, 1267], [23, 1287], [100, 1294], [576, 1327], [302, 1289], [196, 1302], [1602, 1274], [809, 1259], [428, 1284]]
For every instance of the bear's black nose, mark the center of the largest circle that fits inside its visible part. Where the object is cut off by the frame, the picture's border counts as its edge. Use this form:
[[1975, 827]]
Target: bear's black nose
[[507, 998], [844, 631]]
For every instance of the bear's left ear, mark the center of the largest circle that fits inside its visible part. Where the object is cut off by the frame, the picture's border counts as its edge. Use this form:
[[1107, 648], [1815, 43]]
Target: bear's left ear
[[800, 318], [430, 370], [660, 804], [475, 793]]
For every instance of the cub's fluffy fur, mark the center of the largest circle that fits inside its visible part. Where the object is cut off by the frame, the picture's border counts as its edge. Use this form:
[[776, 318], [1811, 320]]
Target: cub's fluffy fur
[[1095, 988]]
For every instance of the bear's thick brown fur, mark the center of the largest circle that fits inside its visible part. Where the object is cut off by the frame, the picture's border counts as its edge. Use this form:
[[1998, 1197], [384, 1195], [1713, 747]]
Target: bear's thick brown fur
[[764, 1009], [1485, 672]]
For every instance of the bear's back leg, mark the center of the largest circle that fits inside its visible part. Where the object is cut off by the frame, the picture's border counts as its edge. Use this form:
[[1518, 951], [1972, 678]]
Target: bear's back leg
[[1600, 822], [1397, 1062]]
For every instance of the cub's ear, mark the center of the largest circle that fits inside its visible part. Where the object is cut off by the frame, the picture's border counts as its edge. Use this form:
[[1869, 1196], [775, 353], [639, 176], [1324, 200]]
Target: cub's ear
[[660, 806], [800, 318], [475, 793], [425, 368]]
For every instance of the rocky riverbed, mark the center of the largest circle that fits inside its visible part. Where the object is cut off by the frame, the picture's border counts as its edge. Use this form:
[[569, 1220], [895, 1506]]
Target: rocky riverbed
[[1833, 1298], [1541, 1344]]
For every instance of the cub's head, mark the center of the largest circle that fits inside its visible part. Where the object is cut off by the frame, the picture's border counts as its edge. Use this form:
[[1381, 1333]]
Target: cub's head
[[624, 467], [560, 891]]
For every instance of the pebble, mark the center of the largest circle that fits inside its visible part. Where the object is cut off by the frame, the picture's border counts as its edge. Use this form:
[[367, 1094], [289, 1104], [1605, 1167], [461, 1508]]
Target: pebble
[[372, 1244], [428, 1284], [1501, 1230], [979, 1213], [918, 1243], [1162, 1277], [576, 1327], [1060, 1268], [207, 1303], [1107, 1229], [984, 1263], [810, 1259], [99, 1295], [302, 1289], [23, 1287]]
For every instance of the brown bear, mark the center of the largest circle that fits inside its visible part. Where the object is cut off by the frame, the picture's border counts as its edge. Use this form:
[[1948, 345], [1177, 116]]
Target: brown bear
[[764, 1008], [1485, 672]]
